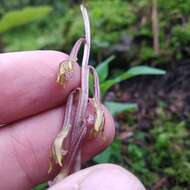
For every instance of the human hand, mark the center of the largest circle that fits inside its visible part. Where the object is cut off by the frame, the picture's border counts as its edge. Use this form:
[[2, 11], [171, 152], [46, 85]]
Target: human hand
[[30, 107]]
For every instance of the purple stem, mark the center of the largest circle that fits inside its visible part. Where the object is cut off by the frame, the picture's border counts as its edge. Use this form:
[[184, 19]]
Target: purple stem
[[69, 108], [96, 84], [76, 48], [83, 101], [75, 148]]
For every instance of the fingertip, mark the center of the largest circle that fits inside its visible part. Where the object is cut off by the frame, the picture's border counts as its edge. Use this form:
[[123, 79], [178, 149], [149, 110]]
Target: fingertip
[[93, 178], [109, 129], [28, 83]]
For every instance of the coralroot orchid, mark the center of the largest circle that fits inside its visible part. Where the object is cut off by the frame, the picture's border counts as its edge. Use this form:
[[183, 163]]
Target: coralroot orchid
[[66, 67], [66, 150]]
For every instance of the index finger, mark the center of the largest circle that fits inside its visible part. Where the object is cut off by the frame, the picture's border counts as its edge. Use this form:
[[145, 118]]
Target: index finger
[[28, 83]]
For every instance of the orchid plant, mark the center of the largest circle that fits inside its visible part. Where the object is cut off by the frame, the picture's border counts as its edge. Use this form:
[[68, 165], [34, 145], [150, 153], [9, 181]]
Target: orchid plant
[[66, 150]]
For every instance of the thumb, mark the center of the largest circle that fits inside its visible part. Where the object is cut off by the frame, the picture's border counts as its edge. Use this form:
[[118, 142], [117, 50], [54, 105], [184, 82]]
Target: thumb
[[103, 176]]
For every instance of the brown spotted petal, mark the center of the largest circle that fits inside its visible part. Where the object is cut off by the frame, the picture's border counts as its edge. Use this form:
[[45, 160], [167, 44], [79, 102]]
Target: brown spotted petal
[[58, 151], [65, 68], [100, 120]]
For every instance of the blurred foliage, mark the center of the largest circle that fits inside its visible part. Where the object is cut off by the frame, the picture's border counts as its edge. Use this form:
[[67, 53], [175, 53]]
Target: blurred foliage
[[111, 155], [162, 152], [13, 19], [114, 22], [118, 26], [106, 84], [41, 186], [116, 107], [130, 73], [38, 28], [170, 143]]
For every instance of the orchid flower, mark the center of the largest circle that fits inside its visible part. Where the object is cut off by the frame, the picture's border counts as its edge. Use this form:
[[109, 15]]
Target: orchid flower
[[66, 150]]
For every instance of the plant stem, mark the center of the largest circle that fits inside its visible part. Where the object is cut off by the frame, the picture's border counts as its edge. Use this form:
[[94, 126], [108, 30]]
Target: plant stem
[[155, 27], [78, 130], [81, 110]]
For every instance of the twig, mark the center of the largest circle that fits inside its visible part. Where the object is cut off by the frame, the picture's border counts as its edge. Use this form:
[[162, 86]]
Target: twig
[[155, 27]]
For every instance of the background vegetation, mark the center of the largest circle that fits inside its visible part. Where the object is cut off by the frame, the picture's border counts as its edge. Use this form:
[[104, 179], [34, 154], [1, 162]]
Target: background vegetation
[[130, 39]]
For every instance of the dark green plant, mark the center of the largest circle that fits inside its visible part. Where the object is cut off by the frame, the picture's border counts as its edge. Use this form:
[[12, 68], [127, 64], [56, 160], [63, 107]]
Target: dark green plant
[[118, 26], [106, 82], [167, 156], [17, 18]]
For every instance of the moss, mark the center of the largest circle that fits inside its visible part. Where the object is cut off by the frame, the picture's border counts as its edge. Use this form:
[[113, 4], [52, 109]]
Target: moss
[[166, 155]]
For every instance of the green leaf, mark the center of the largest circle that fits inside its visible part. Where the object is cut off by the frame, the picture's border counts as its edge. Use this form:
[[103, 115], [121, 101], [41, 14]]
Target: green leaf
[[143, 70], [16, 18], [41, 187], [103, 68], [116, 107], [111, 154], [106, 85], [132, 72], [104, 157]]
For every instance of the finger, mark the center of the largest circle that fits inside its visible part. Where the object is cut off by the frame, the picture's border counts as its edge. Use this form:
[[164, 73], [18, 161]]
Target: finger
[[28, 83], [104, 176], [25, 149]]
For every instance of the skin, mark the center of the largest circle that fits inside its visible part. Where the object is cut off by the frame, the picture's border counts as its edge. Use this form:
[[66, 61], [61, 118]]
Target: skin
[[32, 106], [100, 177], [28, 83]]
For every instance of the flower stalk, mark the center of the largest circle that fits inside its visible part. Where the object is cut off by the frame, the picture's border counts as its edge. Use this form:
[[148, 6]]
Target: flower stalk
[[66, 67], [66, 150], [99, 121]]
